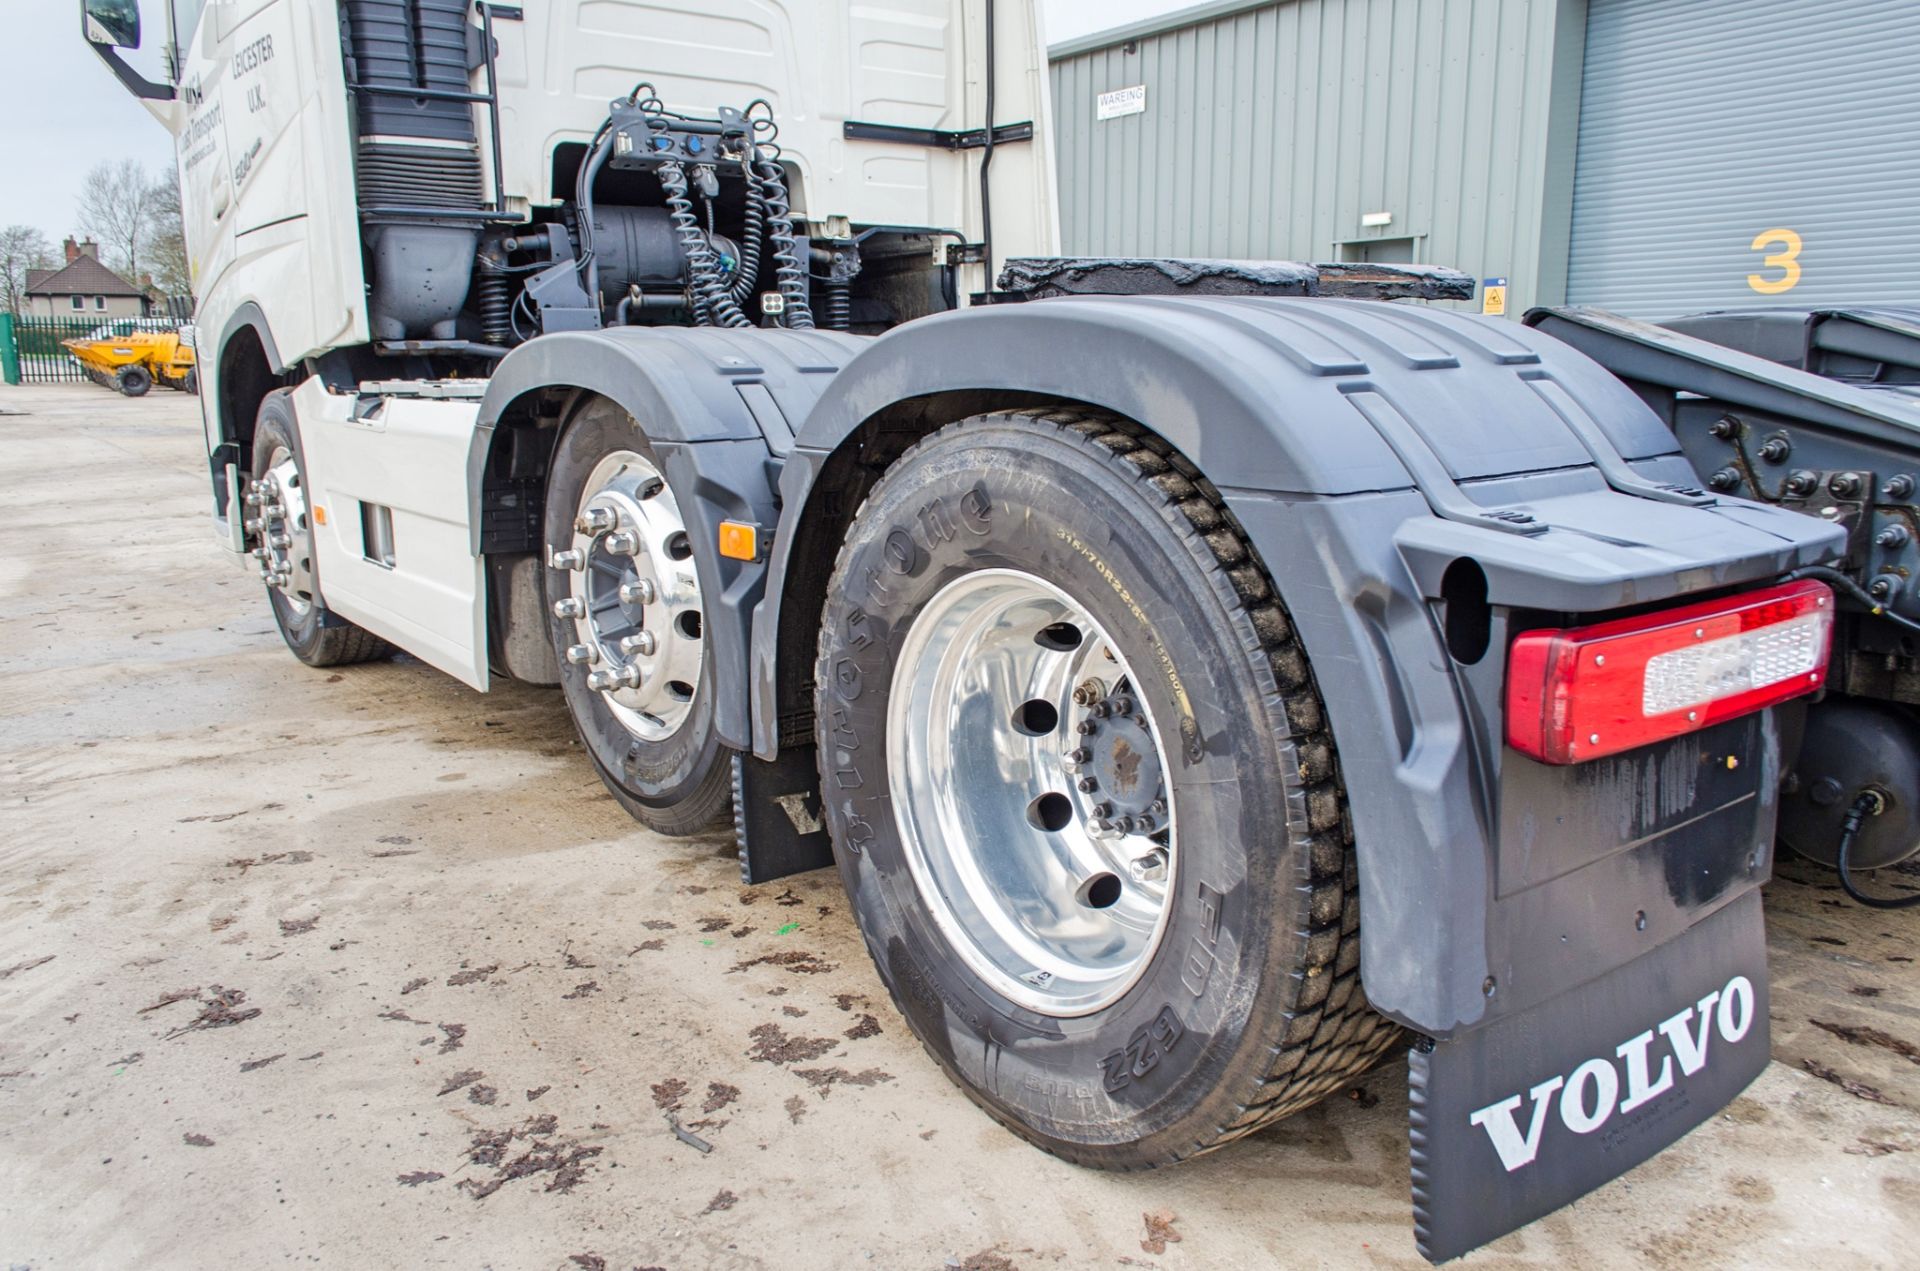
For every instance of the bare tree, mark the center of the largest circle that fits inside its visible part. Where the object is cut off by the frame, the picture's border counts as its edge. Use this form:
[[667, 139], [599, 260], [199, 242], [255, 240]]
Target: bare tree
[[115, 203], [167, 236], [22, 247]]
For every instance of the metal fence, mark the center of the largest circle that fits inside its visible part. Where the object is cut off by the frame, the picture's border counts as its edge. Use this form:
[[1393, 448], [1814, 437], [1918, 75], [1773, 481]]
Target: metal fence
[[32, 352]]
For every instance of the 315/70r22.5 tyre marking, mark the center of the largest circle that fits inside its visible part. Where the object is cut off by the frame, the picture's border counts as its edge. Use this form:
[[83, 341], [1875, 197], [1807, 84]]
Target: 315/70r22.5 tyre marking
[[1246, 1005]]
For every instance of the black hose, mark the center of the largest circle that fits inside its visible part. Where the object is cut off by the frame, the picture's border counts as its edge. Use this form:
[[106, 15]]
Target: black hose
[[747, 275], [986, 162], [790, 277], [712, 304], [1868, 804], [1854, 590]]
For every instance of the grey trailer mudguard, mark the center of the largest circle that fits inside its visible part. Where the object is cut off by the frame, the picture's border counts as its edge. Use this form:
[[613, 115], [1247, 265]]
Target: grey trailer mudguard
[[719, 407], [1365, 447]]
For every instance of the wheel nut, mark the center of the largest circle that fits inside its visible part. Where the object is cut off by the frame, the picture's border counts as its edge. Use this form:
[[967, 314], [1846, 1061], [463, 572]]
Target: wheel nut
[[1088, 785], [1089, 692], [569, 607], [281, 541], [1123, 706], [642, 642], [593, 520], [568, 560], [1151, 868], [623, 543], [1103, 809], [639, 592], [603, 681], [1157, 809], [582, 654], [1086, 728]]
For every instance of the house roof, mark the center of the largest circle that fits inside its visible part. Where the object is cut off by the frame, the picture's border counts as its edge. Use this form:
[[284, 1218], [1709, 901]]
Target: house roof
[[84, 277]]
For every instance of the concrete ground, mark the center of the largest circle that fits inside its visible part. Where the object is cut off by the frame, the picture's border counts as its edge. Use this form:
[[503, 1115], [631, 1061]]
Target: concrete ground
[[363, 969]]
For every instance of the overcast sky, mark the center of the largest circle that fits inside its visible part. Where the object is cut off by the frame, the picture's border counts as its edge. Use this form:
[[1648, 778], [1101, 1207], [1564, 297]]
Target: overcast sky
[[61, 110]]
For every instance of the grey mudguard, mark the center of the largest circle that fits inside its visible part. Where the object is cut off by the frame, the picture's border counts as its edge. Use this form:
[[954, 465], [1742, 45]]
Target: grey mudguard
[[720, 408], [1364, 447]]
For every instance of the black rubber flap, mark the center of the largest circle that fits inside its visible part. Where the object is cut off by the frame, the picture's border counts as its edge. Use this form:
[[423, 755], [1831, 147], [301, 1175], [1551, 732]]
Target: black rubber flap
[[1514, 1120], [777, 821]]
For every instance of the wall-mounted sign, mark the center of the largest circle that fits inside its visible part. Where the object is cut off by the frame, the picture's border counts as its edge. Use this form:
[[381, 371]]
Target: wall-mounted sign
[[1121, 101], [1493, 297]]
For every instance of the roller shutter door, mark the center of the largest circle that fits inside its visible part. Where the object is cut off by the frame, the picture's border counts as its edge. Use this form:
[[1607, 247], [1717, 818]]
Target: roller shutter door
[[1706, 125]]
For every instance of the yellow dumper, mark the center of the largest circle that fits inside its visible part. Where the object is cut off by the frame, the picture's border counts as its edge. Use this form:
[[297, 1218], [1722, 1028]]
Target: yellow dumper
[[133, 361]]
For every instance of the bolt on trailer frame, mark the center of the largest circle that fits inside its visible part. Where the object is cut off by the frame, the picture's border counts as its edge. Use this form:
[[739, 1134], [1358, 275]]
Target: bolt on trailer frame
[[1123, 631]]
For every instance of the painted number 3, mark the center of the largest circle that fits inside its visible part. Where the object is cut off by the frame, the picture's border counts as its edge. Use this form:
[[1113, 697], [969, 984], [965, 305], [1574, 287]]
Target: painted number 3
[[1787, 260]]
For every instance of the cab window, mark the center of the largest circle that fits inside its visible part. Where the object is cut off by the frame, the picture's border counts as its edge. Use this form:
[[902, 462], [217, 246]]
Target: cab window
[[186, 15]]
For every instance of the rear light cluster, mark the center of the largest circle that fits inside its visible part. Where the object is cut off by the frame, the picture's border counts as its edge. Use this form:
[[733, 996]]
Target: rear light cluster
[[1586, 692]]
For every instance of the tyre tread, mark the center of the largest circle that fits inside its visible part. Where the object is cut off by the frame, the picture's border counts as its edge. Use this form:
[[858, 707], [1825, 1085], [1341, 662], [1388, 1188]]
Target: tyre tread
[[1331, 1035]]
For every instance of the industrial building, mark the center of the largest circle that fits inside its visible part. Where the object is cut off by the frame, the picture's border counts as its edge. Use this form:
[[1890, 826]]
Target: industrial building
[[1649, 156]]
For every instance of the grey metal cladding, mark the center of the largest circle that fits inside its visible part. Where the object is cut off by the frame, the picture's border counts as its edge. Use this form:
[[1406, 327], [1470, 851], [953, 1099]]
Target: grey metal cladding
[[1269, 134], [1705, 124]]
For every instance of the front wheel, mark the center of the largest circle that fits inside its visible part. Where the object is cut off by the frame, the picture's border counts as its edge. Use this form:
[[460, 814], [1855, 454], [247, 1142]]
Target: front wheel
[[1084, 794], [630, 628], [278, 525]]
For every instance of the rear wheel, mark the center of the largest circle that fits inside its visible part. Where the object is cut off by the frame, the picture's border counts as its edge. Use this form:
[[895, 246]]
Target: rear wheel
[[134, 381], [630, 628], [278, 524], [1084, 796]]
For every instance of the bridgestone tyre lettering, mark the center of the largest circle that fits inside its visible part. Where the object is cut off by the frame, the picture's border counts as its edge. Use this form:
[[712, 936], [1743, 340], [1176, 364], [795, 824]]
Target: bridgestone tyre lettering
[[316, 636], [1250, 1007], [683, 783]]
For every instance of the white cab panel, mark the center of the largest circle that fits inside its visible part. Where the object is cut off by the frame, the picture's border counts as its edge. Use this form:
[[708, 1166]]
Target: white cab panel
[[409, 457]]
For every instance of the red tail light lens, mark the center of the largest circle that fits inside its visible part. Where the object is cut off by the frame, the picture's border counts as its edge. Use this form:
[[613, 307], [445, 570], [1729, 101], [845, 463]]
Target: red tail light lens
[[1586, 692]]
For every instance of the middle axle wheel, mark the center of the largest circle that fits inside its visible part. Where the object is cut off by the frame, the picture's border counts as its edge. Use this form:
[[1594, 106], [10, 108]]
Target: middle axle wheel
[[633, 597], [629, 626]]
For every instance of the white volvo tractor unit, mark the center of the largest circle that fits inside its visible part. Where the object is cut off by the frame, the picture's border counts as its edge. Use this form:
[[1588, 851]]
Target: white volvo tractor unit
[[1207, 677]]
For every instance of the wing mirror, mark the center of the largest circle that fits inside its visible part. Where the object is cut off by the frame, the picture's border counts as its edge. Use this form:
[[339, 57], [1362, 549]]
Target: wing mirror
[[112, 22], [115, 24]]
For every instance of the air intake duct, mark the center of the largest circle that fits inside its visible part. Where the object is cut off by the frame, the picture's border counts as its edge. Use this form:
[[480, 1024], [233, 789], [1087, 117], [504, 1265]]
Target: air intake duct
[[417, 160]]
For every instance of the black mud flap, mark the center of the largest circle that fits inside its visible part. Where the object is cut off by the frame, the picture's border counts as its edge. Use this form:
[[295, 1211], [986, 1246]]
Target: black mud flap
[[1514, 1120], [777, 818]]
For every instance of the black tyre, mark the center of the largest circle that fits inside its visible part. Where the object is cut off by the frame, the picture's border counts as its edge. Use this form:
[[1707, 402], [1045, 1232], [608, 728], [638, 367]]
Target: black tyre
[[191, 384], [628, 626], [277, 500], [1083, 793], [134, 381]]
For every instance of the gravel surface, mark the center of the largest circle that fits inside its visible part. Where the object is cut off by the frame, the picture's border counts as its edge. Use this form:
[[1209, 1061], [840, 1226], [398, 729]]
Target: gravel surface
[[363, 969]]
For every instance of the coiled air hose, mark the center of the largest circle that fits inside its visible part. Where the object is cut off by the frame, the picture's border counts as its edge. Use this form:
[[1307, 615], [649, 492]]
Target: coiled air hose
[[713, 304]]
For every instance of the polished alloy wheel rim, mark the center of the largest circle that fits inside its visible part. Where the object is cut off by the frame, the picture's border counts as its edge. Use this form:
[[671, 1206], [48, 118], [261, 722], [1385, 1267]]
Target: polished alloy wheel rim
[[1030, 794], [634, 597], [277, 521]]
